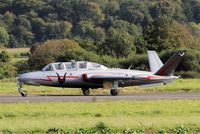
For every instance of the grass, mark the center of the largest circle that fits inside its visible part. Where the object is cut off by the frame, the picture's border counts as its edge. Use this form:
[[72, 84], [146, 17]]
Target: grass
[[119, 115], [17, 51], [178, 85], [17, 54]]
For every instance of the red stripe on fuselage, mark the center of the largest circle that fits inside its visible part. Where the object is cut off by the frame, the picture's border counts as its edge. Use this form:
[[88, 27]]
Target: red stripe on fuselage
[[151, 77], [49, 78], [71, 76]]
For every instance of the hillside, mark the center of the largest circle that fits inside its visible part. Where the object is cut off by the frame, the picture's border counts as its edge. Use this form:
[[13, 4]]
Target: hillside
[[142, 24], [109, 31]]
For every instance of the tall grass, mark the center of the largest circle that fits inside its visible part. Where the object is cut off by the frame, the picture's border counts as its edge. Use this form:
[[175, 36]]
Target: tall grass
[[17, 51]]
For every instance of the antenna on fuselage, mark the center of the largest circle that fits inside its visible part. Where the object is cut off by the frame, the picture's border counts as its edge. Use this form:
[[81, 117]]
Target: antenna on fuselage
[[130, 66]]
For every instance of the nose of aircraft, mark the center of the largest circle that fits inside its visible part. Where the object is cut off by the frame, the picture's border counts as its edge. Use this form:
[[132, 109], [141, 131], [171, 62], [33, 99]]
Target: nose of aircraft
[[22, 77], [28, 78]]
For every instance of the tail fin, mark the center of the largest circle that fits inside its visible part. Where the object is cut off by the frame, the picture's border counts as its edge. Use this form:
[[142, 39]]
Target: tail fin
[[169, 67], [154, 61]]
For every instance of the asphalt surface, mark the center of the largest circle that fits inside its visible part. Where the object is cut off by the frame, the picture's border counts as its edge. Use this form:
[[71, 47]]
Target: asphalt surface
[[93, 98]]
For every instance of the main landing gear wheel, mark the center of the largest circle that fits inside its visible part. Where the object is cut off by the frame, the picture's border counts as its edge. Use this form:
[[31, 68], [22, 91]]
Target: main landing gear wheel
[[86, 91], [114, 92]]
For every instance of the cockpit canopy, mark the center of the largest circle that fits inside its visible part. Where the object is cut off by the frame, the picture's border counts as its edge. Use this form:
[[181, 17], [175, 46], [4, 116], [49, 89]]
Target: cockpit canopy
[[74, 65]]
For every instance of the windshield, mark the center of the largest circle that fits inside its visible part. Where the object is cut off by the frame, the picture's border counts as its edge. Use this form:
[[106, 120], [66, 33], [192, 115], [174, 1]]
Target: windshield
[[48, 67]]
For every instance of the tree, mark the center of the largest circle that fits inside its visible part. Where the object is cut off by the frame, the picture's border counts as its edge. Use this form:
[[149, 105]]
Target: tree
[[112, 7], [4, 37], [165, 33], [39, 29], [21, 31], [91, 11], [86, 29], [168, 8], [5, 5], [58, 50], [6, 68], [58, 30], [156, 33], [25, 6], [133, 11], [118, 44], [87, 43], [9, 19]]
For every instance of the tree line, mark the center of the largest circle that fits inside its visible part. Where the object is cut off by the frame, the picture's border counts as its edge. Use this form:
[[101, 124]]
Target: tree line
[[106, 30]]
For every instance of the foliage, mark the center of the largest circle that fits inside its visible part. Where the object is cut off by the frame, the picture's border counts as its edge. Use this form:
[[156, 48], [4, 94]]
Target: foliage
[[41, 56], [4, 37], [6, 69], [164, 33], [4, 57], [31, 21], [58, 50], [106, 30], [113, 45]]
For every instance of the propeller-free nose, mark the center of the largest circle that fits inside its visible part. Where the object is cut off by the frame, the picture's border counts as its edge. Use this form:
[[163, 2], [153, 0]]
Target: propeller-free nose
[[28, 78]]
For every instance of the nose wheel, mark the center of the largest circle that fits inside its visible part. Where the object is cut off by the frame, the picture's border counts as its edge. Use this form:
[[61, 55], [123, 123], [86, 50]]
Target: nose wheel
[[86, 91], [22, 92]]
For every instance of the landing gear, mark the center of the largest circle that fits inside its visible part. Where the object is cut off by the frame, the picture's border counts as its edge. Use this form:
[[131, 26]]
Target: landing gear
[[22, 92], [114, 92], [86, 91]]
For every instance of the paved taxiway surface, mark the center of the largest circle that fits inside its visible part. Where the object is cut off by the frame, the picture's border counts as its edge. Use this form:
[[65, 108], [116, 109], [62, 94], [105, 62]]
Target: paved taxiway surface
[[92, 98]]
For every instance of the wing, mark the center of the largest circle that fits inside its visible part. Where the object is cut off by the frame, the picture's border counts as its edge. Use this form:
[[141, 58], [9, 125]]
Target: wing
[[109, 77]]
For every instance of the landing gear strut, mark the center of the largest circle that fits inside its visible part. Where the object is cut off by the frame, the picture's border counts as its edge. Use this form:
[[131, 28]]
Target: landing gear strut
[[20, 90], [86, 91]]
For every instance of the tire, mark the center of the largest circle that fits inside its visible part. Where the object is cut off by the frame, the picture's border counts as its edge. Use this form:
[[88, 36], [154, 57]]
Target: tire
[[86, 91], [114, 92], [24, 93]]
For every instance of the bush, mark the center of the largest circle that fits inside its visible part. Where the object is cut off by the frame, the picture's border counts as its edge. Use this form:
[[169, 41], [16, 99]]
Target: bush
[[139, 62], [190, 62], [49, 51], [189, 74], [4, 57], [22, 66]]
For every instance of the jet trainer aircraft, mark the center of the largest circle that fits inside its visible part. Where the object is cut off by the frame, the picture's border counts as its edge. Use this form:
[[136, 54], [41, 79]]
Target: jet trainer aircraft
[[89, 75]]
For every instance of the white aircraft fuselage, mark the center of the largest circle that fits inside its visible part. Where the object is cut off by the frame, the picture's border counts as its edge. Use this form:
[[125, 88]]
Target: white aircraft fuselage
[[89, 75]]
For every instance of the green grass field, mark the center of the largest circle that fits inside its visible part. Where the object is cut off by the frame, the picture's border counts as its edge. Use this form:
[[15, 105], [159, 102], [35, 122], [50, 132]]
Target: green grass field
[[17, 51], [17, 54], [155, 116], [10, 88], [173, 116]]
